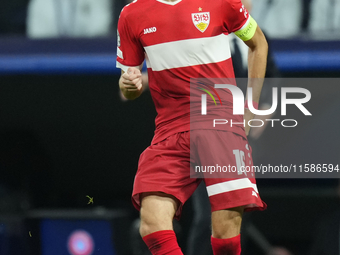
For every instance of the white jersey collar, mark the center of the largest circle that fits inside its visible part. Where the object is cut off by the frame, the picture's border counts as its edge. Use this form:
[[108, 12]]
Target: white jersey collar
[[168, 2]]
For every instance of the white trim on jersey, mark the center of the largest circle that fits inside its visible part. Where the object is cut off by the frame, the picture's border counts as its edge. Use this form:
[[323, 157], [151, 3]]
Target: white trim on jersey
[[228, 186], [168, 2], [125, 68], [191, 52], [147, 61], [245, 24], [120, 53]]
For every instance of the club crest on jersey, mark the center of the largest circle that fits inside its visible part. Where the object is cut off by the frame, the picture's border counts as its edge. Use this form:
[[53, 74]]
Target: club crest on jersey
[[201, 20]]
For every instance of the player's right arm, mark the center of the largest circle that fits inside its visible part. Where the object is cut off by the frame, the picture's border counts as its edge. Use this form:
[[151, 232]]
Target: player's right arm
[[130, 56], [130, 83]]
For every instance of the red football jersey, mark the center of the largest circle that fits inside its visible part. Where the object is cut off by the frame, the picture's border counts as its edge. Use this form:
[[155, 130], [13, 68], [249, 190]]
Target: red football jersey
[[180, 40]]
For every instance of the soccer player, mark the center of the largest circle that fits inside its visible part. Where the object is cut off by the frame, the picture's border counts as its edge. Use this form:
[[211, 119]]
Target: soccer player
[[181, 40]]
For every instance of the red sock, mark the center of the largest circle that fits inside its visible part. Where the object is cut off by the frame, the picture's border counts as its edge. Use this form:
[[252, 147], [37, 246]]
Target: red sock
[[230, 246], [163, 242]]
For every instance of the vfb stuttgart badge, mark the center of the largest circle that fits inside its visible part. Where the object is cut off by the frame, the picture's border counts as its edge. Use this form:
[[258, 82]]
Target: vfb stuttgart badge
[[201, 20]]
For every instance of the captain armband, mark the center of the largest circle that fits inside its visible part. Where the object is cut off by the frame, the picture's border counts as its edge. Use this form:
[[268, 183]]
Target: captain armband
[[248, 30]]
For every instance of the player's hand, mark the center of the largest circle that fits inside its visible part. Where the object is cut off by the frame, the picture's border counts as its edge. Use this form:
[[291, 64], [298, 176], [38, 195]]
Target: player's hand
[[132, 80]]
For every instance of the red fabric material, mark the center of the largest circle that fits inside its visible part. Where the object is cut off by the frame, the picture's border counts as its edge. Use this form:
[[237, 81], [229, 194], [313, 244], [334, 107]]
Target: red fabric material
[[149, 23], [163, 243], [230, 246], [168, 167]]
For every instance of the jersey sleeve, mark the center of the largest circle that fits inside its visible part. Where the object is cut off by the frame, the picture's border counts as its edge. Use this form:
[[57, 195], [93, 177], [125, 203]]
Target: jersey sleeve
[[130, 52], [236, 19]]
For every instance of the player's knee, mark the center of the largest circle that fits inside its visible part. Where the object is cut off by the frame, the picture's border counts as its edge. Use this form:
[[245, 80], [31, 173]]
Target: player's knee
[[146, 228], [150, 224], [157, 212], [227, 229], [227, 223]]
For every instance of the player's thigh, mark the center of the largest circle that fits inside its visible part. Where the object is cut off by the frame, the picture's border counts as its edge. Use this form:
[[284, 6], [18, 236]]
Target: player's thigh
[[165, 167]]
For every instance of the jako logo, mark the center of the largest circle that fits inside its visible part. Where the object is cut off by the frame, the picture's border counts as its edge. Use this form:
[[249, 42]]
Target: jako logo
[[150, 30], [238, 100]]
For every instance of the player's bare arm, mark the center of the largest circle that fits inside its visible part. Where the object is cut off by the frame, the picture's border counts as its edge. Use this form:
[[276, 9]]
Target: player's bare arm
[[257, 62], [130, 83]]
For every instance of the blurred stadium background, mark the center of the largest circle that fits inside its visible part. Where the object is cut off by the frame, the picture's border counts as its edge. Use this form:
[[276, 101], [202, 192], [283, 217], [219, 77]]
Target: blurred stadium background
[[65, 133]]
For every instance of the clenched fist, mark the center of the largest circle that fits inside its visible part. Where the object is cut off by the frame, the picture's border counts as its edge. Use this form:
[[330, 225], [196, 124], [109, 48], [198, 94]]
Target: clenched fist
[[130, 83]]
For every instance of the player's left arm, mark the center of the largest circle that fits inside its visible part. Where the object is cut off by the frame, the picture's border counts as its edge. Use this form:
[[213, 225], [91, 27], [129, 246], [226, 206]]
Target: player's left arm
[[257, 62], [236, 19]]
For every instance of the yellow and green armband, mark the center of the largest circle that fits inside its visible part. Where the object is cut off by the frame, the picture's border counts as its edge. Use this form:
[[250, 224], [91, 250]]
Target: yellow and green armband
[[248, 30]]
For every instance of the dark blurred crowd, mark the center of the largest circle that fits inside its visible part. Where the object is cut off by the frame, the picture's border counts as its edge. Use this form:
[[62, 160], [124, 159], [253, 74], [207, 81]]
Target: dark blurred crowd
[[13, 17], [86, 18]]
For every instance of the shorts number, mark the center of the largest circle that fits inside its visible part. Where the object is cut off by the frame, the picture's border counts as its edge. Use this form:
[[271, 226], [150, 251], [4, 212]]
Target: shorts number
[[240, 158]]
